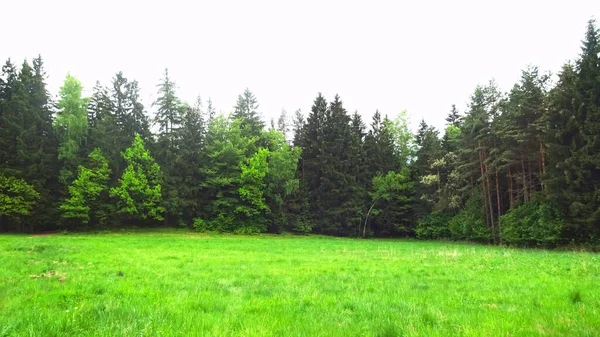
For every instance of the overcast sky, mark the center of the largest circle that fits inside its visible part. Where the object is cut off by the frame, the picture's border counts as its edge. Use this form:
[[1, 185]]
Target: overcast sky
[[421, 56]]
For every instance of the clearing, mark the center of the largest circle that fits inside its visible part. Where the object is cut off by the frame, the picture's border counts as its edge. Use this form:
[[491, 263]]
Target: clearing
[[176, 283]]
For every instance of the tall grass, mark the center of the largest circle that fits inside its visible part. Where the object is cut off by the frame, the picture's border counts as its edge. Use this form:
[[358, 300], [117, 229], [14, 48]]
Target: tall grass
[[174, 283]]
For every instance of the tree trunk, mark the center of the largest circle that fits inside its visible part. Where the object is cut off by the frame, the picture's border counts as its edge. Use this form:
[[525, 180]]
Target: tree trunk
[[530, 178], [542, 165], [487, 194], [490, 203], [487, 218], [510, 189], [367, 218], [499, 206], [524, 182]]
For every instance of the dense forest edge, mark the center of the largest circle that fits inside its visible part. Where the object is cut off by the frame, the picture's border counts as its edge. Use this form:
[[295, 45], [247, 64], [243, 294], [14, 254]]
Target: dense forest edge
[[520, 167]]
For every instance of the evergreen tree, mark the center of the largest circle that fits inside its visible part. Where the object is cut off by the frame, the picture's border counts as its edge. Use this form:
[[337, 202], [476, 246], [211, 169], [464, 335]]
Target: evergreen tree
[[168, 114], [574, 125], [169, 118], [191, 136], [453, 117], [246, 110]]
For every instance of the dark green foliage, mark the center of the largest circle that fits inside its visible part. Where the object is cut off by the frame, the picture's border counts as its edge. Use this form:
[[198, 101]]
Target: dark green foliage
[[453, 118], [533, 223], [470, 223], [434, 226], [191, 150], [246, 111], [573, 121], [520, 167]]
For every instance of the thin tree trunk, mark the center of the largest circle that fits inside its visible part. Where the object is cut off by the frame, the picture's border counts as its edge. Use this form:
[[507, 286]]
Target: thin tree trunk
[[510, 189], [490, 203], [530, 177], [542, 165], [367, 219], [499, 206], [524, 182], [487, 217]]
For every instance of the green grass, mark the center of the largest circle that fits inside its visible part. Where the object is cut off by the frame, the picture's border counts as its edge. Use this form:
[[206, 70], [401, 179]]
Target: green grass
[[174, 283]]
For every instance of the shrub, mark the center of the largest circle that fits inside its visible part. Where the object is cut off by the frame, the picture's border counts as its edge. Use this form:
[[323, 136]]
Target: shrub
[[470, 223], [433, 226], [200, 225], [532, 223]]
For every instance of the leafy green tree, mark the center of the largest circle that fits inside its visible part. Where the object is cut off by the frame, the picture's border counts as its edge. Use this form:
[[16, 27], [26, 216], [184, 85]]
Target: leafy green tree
[[17, 199], [86, 192], [138, 193], [251, 191], [226, 147], [281, 184], [394, 188], [71, 126]]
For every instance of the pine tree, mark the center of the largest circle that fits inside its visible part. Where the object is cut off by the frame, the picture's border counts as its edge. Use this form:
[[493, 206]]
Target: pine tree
[[574, 123], [453, 117], [191, 137], [168, 114], [246, 110], [169, 118]]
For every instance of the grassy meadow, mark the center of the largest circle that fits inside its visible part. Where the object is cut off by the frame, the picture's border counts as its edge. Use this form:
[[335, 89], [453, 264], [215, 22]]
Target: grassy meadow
[[176, 283]]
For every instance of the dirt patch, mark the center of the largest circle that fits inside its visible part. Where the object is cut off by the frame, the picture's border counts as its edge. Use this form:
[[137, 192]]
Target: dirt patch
[[46, 233]]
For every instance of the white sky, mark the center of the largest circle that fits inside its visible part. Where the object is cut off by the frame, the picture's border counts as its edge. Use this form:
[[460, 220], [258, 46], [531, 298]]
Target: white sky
[[421, 56]]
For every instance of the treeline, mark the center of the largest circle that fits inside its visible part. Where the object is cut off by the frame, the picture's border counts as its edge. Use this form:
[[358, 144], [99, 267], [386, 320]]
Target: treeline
[[521, 167]]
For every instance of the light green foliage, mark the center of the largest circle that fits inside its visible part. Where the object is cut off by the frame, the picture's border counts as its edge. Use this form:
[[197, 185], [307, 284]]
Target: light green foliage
[[281, 180], [139, 189], [86, 189], [176, 283], [389, 185], [451, 139], [391, 198], [403, 138], [71, 124], [252, 185], [17, 197]]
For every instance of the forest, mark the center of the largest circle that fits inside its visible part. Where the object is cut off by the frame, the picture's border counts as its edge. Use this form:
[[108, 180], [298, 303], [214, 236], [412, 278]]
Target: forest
[[520, 167]]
